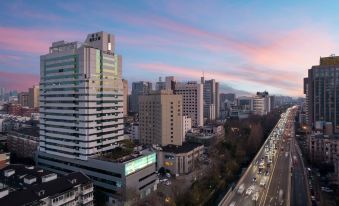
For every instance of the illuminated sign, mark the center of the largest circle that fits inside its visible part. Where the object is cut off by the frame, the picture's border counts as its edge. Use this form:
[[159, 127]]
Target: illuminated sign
[[168, 163], [140, 163]]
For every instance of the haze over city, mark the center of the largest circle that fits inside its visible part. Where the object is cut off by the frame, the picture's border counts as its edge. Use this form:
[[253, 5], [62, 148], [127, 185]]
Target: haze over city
[[169, 103], [244, 45]]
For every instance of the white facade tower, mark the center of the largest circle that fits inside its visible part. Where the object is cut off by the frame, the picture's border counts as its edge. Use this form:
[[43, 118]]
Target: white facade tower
[[81, 99]]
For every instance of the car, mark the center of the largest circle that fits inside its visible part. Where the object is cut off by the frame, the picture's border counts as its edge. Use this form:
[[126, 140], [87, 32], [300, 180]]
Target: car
[[163, 180], [232, 203], [267, 173], [263, 181], [241, 189], [254, 179], [255, 196], [249, 190], [168, 183], [326, 189]]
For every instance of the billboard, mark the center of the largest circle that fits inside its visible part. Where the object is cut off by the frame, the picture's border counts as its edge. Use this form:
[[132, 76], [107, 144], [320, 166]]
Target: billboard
[[140, 163]]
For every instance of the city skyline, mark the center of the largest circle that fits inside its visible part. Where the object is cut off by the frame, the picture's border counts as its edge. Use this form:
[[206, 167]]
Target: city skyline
[[244, 46]]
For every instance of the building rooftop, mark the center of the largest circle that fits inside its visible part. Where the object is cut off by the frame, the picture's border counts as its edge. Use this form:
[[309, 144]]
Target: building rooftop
[[32, 194], [122, 155], [184, 148], [325, 136]]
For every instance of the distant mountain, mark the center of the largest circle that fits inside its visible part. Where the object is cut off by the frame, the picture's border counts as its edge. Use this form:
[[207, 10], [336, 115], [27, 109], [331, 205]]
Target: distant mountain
[[224, 88]]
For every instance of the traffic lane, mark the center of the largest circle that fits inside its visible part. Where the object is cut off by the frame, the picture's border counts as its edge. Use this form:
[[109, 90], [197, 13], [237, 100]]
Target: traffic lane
[[298, 190], [299, 180], [279, 181], [247, 181], [242, 199]]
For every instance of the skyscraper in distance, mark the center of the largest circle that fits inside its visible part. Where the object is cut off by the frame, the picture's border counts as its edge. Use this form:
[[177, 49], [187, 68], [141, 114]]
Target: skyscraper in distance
[[138, 88], [211, 99], [33, 96]]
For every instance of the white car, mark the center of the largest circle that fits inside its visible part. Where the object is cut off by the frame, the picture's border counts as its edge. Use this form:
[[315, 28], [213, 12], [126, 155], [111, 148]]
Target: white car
[[255, 196], [241, 189], [249, 190], [263, 181], [232, 203]]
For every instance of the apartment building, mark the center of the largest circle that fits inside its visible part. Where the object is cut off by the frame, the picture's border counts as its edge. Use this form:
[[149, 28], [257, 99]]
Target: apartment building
[[28, 185], [323, 148]]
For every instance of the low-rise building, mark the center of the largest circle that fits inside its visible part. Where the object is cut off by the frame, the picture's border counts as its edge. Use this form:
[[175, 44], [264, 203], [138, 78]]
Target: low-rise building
[[323, 148], [205, 135], [180, 160], [29, 185], [23, 145], [114, 172]]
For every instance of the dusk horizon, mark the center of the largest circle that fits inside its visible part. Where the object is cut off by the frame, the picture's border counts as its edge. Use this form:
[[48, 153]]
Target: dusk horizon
[[244, 46]]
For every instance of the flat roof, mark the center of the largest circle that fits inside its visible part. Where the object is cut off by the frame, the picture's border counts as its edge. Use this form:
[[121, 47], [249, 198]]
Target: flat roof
[[184, 148]]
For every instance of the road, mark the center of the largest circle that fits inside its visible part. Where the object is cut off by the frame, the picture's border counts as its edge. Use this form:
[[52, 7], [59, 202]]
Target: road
[[299, 191], [277, 192], [271, 186]]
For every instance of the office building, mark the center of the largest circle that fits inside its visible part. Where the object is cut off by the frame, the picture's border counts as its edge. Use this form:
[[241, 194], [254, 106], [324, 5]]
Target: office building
[[138, 88], [322, 92], [226, 100], [81, 117], [245, 103], [168, 84], [160, 118], [2, 93], [192, 97], [23, 99], [211, 99], [82, 100], [28, 185], [33, 96], [261, 103], [125, 92], [160, 85]]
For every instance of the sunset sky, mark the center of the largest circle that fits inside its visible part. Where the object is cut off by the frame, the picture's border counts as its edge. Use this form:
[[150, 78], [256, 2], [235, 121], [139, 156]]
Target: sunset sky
[[245, 45]]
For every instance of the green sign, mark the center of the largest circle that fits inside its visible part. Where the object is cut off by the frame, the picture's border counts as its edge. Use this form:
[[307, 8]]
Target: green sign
[[140, 163]]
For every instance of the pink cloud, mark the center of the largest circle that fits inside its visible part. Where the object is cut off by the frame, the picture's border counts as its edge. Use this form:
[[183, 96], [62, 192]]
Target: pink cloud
[[287, 85], [18, 81], [32, 40]]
